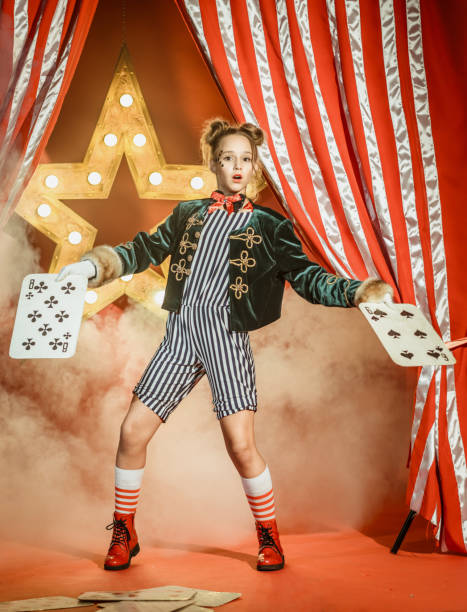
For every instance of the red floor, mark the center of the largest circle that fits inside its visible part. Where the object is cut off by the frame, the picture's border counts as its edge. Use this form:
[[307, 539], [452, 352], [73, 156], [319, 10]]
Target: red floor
[[324, 572]]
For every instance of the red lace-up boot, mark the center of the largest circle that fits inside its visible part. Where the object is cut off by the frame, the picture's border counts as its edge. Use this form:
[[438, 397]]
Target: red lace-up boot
[[270, 555], [124, 544]]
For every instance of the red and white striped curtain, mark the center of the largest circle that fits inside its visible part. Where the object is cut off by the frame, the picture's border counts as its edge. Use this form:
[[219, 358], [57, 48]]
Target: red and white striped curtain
[[362, 104], [40, 44]]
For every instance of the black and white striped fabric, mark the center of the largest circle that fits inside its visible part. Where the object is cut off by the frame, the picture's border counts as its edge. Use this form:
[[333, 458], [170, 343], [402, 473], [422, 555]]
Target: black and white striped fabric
[[209, 279], [198, 340]]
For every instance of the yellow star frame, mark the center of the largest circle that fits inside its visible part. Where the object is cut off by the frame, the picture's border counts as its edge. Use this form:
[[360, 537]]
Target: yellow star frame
[[124, 127]]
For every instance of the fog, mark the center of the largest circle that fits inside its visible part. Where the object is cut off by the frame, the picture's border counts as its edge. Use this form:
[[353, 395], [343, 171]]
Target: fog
[[333, 425]]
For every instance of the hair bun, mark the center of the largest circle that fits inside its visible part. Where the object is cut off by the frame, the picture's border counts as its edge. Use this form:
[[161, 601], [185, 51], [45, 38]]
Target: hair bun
[[213, 129], [255, 133]]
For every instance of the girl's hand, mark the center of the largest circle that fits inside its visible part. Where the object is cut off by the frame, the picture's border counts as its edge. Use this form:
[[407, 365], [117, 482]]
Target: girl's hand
[[84, 268]]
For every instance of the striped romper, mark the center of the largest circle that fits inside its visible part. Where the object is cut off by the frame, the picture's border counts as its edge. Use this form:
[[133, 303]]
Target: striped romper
[[197, 339]]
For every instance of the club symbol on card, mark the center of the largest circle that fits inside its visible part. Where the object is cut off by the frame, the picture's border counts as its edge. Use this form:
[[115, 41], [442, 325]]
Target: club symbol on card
[[67, 335], [433, 353], [68, 288], [394, 334], [61, 316], [380, 313], [45, 329], [34, 315], [377, 314], [29, 342], [406, 314], [51, 301], [55, 343], [407, 354], [40, 287], [29, 295], [420, 334]]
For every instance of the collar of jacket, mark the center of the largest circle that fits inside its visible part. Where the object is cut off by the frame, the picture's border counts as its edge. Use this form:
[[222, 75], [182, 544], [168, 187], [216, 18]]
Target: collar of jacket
[[197, 210]]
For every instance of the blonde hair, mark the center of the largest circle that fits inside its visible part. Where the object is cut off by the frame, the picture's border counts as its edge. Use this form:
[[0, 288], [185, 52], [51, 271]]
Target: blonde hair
[[215, 129]]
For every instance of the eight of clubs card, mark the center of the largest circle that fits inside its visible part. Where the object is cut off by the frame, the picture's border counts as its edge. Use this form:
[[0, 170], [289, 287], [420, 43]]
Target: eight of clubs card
[[406, 335], [48, 317]]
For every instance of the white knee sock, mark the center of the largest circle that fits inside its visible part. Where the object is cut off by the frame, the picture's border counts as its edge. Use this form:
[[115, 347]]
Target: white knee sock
[[260, 496], [127, 489]]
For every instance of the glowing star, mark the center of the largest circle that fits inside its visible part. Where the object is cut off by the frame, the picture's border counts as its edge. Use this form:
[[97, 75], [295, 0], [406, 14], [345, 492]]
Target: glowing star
[[123, 127]]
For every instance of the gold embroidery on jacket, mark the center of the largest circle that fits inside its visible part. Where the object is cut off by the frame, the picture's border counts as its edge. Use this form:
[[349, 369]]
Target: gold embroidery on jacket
[[193, 220], [179, 269], [347, 285], [244, 262], [331, 279], [249, 237], [186, 244], [239, 287]]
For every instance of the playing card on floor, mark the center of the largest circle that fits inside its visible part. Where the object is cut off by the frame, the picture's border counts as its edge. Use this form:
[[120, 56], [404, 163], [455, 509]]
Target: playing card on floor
[[41, 603], [162, 593], [406, 335], [48, 317]]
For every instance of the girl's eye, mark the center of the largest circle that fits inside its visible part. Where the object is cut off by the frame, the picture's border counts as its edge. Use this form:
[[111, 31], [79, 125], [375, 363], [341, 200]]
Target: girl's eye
[[247, 159]]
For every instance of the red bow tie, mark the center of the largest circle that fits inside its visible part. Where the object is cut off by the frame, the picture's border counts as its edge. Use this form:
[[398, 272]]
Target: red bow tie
[[228, 202]]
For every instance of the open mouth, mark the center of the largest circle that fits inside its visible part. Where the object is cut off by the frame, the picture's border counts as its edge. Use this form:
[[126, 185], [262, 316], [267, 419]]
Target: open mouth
[[237, 177]]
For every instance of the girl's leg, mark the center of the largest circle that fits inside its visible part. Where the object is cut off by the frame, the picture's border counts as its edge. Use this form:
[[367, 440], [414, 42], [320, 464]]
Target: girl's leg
[[238, 432], [164, 383], [239, 436], [137, 429]]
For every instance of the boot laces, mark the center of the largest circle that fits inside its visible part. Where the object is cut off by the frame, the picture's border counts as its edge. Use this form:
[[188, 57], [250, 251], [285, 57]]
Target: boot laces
[[265, 536], [120, 535]]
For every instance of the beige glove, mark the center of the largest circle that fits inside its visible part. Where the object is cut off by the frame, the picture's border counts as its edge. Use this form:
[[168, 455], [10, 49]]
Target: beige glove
[[84, 268]]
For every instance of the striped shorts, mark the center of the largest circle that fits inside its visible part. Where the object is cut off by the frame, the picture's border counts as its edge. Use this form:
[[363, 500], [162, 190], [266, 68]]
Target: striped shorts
[[197, 342]]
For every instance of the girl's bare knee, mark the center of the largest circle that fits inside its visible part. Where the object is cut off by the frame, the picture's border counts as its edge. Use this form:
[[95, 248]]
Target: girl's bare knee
[[138, 427], [242, 453]]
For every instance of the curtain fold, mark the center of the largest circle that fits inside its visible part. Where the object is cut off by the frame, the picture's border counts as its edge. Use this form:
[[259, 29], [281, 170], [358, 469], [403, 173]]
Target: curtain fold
[[40, 43], [357, 98]]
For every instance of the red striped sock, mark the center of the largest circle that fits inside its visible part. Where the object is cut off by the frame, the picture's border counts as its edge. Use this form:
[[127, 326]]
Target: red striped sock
[[127, 489], [260, 496]]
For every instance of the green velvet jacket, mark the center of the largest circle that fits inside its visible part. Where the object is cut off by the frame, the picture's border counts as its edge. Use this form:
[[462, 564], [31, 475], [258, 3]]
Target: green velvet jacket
[[263, 255]]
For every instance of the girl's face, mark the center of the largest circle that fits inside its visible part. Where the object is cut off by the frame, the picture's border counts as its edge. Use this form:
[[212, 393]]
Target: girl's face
[[233, 164]]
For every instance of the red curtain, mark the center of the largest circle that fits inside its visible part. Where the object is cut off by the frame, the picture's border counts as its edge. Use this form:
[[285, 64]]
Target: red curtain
[[40, 45], [362, 102]]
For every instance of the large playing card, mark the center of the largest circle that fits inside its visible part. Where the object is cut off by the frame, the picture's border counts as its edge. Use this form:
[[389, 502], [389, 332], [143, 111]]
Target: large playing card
[[163, 593], [41, 603], [406, 335], [196, 597], [48, 317], [145, 606]]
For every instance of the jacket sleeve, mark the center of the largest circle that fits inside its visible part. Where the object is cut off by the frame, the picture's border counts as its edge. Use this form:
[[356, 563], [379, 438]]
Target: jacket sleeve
[[146, 249], [135, 256], [307, 278]]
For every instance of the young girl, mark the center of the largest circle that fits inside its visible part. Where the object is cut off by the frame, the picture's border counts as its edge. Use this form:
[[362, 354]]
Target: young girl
[[229, 262]]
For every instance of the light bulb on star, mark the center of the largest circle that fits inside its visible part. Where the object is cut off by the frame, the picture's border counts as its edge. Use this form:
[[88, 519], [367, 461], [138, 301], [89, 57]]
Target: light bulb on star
[[196, 182], [51, 181], [126, 100], [44, 210], [139, 140], [110, 139]]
